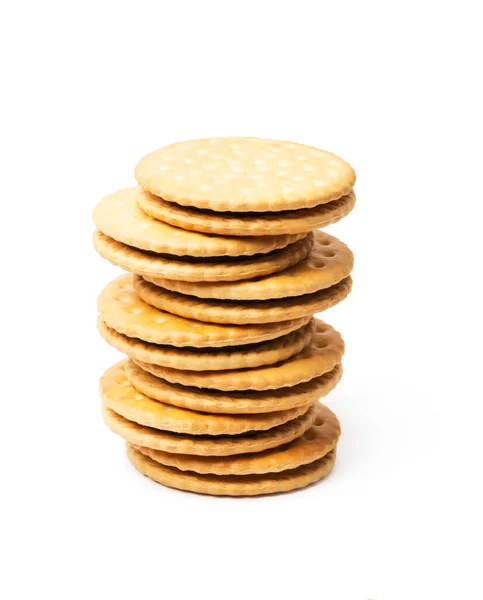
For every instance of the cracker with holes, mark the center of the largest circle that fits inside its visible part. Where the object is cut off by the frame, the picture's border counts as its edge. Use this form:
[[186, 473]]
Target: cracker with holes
[[245, 175], [323, 354], [200, 359], [186, 268], [123, 311], [208, 445], [121, 397], [119, 217], [247, 224], [315, 443], [232, 485], [329, 262], [234, 402], [239, 311], [129, 238]]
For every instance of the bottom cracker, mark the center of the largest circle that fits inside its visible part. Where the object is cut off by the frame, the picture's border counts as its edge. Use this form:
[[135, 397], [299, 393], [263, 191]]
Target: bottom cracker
[[232, 485]]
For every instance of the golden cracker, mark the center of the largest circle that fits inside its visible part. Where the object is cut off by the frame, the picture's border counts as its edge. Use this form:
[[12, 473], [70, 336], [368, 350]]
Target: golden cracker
[[320, 439], [208, 445], [121, 397], [232, 485], [239, 312], [272, 223], [247, 402], [196, 359], [324, 352], [123, 310], [244, 174], [329, 262], [119, 217], [157, 265]]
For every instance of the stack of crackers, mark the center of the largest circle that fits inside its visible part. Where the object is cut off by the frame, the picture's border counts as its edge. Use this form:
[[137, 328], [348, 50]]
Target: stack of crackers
[[226, 268]]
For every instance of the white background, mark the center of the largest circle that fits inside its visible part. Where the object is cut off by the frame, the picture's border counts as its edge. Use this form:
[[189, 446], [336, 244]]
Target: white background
[[395, 88]]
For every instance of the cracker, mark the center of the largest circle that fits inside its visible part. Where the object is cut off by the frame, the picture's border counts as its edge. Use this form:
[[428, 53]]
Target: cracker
[[322, 354], [208, 445], [244, 174], [239, 312], [200, 359], [157, 265], [122, 309], [119, 217], [248, 402], [272, 223], [121, 397], [320, 439], [232, 485], [329, 262]]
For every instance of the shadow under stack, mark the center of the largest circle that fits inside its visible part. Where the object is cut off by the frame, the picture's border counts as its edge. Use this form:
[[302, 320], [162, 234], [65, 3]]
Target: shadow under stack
[[226, 264]]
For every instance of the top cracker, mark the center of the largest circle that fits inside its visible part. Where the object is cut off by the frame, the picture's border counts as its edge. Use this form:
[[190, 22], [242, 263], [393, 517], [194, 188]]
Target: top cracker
[[240, 174]]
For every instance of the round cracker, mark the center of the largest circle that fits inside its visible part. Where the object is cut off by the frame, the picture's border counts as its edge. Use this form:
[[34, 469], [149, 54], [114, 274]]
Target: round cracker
[[208, 445], [239, 312], [329, 262], [214, 401], [245, 174], [121, 397], [124, 311], [157, 265], [232, 485], [320, 439], [278, 223], [324, 352], [201, 359], [119, 217]]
